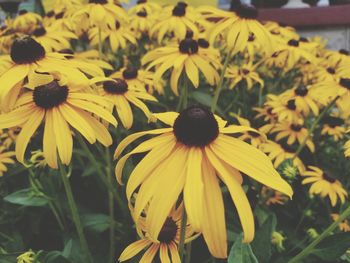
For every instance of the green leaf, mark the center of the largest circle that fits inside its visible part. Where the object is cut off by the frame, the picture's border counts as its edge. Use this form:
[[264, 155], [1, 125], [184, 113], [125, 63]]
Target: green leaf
[[205, 99], [96, 222], [26, 197], [261, 244], [67, 251], [333, 247], [241, 252]]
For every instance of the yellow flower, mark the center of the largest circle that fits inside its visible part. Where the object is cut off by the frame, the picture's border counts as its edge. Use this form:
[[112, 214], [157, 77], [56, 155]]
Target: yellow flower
[[100, 13], [281, 32], [177, 20], [333, 126], [324, 184], [273, 197], [190, 157], [166, 243], [118, 36], [280, 152], [5, 158], [52, 39], [141, 23], [265, 113], [144, 5], [28, 56], [293, 132], [27, 257], [59, 104], [37, 158], [139, 79], [236, 26], [347, 148], [285, 110], [121, 95], [26, 22], [344, 225], [244, 73], [189, 56], [305, 98], [67, 5]]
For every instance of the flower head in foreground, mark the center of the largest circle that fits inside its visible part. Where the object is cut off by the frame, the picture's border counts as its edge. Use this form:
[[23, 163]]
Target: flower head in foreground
[[324, 184], [166, 243], [192, 157], [189, 56], [121, 95], [60, 105]]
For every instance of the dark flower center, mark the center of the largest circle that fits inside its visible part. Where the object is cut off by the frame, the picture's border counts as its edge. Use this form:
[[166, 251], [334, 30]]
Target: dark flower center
[[328, 177], [269, 111], [251, 37], [142, 13], [168, 231], [254, 134], [40, 31], [301, 91], [141, 1], [179, 10], [130, 73], [189, 34], [293, 43], [303, 39], [66, 51], [296, 127], [50, 13], [26, 50], [22, 12], [291, 105], [188, 46], [345, 82], [245, 71], [117, 25], [245, 11], [102, 2], [331, 70], [203, 43], [333, 121], [50, 95], [118, 86], [196, 126], [59, 15], [344, 52]]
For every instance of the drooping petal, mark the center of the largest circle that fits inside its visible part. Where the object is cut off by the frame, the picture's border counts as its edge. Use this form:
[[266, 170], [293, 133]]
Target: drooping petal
[[133, 249]]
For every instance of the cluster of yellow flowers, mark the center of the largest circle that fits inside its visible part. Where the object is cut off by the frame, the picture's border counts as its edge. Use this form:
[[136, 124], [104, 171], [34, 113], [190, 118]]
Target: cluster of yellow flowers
[[51, 74]]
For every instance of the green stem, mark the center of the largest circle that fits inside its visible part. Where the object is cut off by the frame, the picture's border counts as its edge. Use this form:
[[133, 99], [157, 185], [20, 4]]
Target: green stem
[[75, 214], [38, 187], [100, 172], [306, 251], [221, 81], [182, 234], [313, 127], [182, 104], [111, 208]]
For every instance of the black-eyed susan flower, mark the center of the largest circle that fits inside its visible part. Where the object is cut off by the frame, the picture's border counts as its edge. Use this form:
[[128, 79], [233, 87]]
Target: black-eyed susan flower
[[245, 73], [306, 99], [266, 113], [5, 159], [272, 197], [343, 225], [280, 32], [27, 56], [236, 25], [26, 22], [8, 137], [280, 152], [52, 39], [139, 79], [120, 94], [100, 13], [192, 157], [165, 245], [285, 110], [177, 20], [117, 36], [143, 5], [61, 105], [324, 184], [66, 6], [186, 57], [293, 132], [333, 126]]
